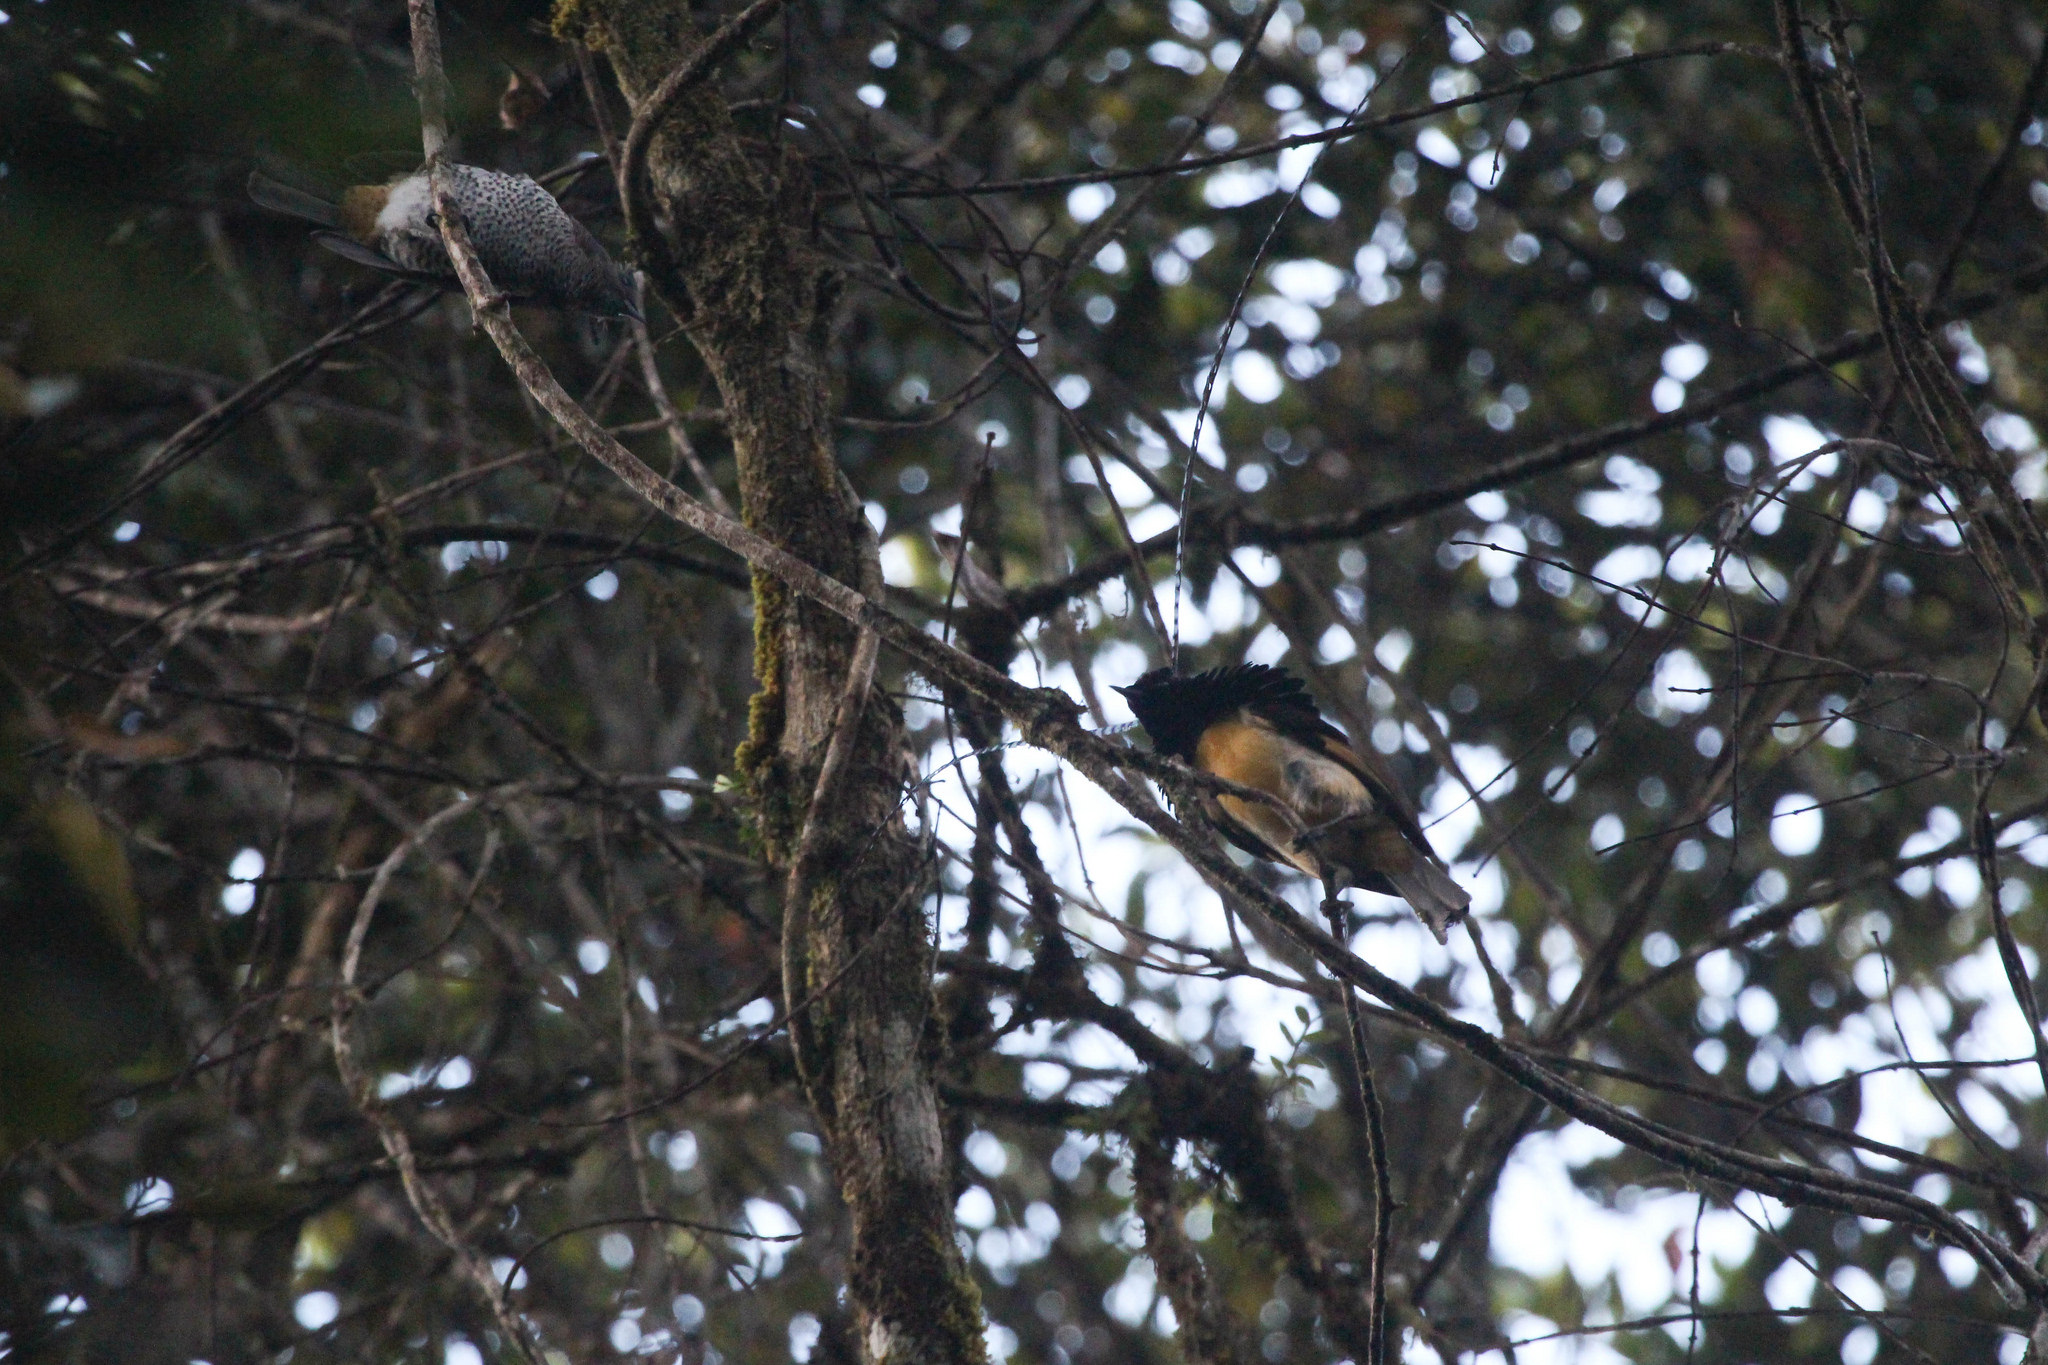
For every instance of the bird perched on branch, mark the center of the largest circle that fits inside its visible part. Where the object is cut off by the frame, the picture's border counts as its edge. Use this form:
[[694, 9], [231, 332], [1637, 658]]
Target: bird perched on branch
[[532, 250], [1256, 726]]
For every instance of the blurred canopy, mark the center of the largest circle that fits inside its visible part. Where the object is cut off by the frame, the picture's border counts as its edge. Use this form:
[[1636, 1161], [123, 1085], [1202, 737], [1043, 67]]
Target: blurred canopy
[[1557, 437]]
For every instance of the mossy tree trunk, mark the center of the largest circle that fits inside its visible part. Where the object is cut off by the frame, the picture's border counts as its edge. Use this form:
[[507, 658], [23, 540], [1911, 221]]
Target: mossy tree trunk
[[860, 983]]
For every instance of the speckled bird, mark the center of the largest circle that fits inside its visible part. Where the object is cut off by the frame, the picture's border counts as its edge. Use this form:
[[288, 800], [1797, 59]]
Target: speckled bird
[[532, 250]]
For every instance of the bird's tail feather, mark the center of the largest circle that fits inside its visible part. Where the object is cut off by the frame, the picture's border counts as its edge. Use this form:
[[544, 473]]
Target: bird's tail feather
[[1429, 889], [276, 195]]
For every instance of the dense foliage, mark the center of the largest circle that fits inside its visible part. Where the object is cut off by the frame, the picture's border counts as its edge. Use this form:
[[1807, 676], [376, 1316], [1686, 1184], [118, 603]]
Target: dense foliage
[[1645, 461]]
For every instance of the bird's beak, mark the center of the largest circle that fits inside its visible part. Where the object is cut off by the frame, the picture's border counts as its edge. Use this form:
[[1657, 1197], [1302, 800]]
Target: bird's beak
[[629, 280]]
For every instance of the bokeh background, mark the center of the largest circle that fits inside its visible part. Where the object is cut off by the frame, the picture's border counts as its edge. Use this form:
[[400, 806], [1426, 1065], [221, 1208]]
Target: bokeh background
[[1524, 442]]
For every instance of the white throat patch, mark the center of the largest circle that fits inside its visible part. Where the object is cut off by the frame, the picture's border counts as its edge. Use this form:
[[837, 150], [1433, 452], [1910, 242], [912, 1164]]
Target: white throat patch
[[407, 208]]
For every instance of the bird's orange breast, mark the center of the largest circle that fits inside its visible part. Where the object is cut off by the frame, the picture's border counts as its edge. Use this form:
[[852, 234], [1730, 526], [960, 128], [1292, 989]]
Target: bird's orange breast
[[1249, 755]]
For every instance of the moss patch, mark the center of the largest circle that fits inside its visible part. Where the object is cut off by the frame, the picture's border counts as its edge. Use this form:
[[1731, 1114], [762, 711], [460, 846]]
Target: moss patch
[[758, 760]]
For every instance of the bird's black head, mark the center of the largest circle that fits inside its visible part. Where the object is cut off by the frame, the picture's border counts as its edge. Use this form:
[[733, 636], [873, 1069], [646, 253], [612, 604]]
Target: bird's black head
[[1175, 709]]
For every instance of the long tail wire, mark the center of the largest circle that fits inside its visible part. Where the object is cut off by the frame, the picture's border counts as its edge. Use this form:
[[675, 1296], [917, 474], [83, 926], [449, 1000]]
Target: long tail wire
[[1187, 479]]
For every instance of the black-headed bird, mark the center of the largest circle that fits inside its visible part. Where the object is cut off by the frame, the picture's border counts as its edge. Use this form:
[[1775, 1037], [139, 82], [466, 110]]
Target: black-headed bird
[[1256, 726]]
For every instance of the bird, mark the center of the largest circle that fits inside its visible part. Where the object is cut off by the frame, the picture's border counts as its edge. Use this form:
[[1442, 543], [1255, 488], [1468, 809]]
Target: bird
[[532, 250], [1256, 725]]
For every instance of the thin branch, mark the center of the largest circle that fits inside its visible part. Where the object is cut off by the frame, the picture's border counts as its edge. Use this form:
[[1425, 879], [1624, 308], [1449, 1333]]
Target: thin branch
[[392, 305], [1335, 133], [1375, 1147]]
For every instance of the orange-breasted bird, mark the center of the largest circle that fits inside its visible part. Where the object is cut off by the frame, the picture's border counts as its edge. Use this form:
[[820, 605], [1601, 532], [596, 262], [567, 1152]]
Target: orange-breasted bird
[[1256, 726], [532, 250]]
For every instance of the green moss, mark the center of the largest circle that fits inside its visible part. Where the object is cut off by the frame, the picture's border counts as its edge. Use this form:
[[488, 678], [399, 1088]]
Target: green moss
[[758, 759], [963, 1313], [572, 24], [641, 36]]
